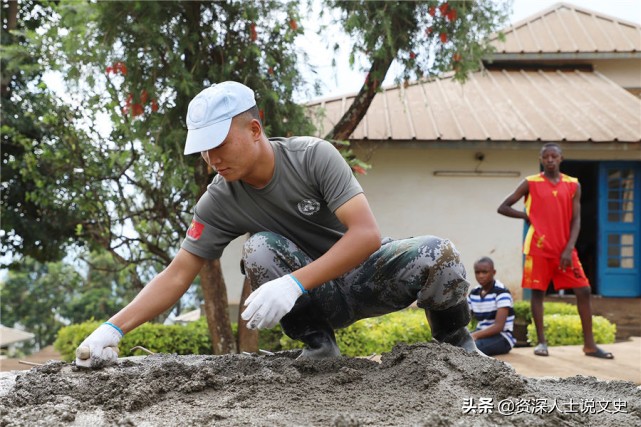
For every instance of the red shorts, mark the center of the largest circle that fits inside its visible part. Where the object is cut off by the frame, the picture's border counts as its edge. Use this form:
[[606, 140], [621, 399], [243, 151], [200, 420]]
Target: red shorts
[[538, 271]]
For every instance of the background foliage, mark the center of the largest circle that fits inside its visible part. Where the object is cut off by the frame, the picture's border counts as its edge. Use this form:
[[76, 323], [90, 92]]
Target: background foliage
[[376, 335], [565, 329], [363, 338]]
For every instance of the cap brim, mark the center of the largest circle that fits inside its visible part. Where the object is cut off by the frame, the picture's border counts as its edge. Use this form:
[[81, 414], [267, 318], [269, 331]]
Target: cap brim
[[206, 138]]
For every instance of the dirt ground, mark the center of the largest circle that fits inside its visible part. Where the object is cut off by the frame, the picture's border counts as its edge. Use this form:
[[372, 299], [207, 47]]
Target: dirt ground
[[421, 384]]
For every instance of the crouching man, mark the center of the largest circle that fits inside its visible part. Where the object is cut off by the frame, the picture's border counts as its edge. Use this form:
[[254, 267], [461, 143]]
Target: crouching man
[[315, 257]]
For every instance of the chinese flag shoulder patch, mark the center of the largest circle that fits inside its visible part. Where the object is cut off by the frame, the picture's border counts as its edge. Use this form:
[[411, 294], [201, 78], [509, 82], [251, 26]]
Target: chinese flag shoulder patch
[[195, 229]]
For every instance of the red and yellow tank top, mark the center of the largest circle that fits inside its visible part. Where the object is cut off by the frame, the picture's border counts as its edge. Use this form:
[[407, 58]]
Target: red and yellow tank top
[[549, 207]]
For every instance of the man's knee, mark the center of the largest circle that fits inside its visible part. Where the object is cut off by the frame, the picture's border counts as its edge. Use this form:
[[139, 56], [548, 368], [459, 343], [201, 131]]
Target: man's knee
[[257, 257], [267, 256], [583, 292], [537, 296], [260, 242], [445, 278]]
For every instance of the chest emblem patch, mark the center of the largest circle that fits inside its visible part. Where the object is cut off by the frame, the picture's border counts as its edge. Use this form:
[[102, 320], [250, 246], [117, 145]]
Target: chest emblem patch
[[308, 207]]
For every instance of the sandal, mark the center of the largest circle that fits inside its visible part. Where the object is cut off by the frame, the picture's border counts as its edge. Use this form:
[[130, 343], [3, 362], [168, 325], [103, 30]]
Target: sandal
[[541, 350], [599, 353]]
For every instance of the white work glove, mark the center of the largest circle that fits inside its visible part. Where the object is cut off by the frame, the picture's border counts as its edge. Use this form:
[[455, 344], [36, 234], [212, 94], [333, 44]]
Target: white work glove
[[271, 301], [100, 348]]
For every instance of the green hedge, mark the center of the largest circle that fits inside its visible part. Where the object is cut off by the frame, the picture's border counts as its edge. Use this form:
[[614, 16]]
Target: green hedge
[[522, 310], [192, 338], [565, 329], [375, 335], [562, 324], [363, 338]]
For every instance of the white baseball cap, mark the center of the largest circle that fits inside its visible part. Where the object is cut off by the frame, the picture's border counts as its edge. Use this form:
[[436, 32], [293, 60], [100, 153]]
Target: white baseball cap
[[209, 114]]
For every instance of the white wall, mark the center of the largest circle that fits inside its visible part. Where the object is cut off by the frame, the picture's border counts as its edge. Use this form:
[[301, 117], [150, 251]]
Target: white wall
[[230, 264], [408, 200]]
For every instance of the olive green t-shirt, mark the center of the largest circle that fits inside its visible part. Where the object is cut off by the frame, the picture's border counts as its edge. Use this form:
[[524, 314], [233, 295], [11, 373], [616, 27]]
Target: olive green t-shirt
[[311, 180]]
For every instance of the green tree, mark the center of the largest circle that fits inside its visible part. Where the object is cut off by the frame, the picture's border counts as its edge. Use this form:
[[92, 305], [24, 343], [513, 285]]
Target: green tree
[[43, 297], [134, 66], [33, 295], [103, 289], [31, 118]]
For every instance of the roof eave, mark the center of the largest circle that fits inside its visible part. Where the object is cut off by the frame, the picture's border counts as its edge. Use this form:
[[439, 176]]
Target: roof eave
[[555, 56]]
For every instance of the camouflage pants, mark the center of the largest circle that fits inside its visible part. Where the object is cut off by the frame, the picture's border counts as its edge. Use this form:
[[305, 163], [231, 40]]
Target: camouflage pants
[[425, 269]]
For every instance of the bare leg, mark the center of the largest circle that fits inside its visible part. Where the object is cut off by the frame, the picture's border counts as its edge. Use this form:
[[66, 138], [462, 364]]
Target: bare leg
[[536, 305], [584, 304]]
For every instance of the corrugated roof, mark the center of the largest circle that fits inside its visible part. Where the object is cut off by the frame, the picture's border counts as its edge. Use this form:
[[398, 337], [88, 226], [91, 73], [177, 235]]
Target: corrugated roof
[[565, 28], [498, 105]]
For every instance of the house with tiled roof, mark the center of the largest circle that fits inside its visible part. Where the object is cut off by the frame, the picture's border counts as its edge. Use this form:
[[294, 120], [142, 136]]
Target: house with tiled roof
[[444, 155]]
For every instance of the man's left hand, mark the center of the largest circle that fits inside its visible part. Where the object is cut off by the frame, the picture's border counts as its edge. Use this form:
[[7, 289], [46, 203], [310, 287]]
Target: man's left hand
[[270, 302]]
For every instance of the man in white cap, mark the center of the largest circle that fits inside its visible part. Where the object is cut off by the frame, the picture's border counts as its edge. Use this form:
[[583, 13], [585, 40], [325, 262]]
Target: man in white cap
[[315, 257]]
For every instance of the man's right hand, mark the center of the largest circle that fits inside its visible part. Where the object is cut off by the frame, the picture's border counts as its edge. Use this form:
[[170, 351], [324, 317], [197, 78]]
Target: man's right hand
[[100, 348]]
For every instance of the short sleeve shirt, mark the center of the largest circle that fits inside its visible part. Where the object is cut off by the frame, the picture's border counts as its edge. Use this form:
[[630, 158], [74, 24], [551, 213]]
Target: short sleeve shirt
[[484, 308], [311, 180]]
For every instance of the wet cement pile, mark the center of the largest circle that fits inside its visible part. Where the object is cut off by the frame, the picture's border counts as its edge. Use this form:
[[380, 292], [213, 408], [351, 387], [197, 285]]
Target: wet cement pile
[[426, 384]]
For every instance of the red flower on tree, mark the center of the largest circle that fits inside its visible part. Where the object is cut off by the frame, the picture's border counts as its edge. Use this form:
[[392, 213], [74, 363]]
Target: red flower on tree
[[431, 10], [253, 35], [117, 67], [359, 170], [451, 15], [443, 37], [293, 24], [412, 55], [121, 68], [154, 105], [443, 8], [136, 109]]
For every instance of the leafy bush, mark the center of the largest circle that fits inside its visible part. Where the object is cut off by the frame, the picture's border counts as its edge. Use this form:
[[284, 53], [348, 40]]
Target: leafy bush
[[192, 338], [363, 338], [565, 329], [375, 335], [522, 310], [559, 308], [269, 339]]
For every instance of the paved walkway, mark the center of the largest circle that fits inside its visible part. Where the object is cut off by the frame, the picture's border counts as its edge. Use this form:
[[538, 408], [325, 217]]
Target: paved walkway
[[568, 361]]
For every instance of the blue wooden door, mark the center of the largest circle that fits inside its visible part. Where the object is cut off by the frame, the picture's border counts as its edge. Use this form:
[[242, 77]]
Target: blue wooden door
[[619, 269]]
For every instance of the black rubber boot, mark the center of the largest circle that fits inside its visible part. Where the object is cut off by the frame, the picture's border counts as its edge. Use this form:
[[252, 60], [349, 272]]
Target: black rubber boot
[[305, 323], [319, 344], [450, 326]]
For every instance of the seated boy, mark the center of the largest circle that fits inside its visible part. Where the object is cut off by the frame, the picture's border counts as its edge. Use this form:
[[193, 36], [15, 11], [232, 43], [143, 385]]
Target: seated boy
[[492, 306]]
